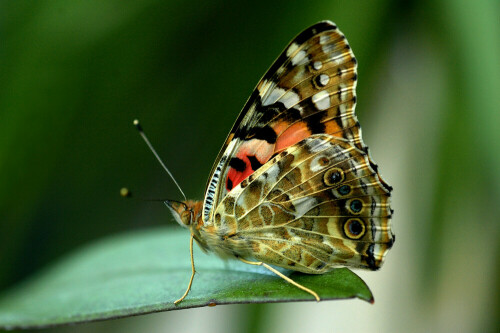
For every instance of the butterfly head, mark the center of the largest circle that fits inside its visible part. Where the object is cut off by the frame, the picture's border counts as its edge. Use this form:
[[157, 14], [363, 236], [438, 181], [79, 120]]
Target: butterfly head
[[186, 213]]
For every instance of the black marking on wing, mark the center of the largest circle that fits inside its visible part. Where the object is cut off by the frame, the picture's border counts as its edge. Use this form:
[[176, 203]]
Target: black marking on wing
[[237, 164], [268, 112], [265, 133], [373, 228], [278, 112], [338, 120], [254, 163], [370, 260], [314, 123], [391, 241]]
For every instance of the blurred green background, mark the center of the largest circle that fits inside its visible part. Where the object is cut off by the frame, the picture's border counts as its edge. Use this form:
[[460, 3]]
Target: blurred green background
[[74, 74]]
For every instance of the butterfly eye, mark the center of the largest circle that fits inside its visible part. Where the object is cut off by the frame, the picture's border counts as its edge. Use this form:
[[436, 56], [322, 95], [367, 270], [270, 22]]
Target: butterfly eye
[[355, 206], [333, 176], [186, 217], [354, 228]]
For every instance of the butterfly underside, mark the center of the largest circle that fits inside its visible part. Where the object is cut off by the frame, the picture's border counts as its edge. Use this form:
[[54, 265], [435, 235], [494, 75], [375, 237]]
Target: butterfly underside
[[294, 185]]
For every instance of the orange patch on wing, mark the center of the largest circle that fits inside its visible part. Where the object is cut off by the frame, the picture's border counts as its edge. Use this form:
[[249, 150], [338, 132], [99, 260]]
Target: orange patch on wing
[[262, 151], [332, 128], [293, 134], [280, 126]]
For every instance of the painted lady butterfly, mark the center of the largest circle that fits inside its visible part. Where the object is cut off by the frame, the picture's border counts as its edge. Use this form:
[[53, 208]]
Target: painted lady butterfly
[[293, 185]]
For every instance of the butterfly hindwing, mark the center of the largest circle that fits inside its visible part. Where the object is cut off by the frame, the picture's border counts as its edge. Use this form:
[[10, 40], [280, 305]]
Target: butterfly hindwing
[[309, 89], [315, 205]]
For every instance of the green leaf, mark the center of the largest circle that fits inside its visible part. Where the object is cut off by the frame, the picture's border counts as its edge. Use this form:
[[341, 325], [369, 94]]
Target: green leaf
[[144, 272]]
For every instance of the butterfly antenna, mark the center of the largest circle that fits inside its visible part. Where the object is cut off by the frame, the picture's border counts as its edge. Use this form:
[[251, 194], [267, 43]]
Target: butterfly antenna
[[141, 132]]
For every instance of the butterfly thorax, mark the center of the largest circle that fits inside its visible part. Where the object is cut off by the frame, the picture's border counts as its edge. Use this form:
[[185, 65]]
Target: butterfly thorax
[[221, 240]]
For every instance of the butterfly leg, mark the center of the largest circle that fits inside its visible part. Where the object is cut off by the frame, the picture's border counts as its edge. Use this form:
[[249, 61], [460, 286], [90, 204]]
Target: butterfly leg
[[281, 275], [192, 271]]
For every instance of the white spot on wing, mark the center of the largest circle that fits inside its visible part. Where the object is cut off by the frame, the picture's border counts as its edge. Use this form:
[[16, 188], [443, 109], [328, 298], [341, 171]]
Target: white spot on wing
[[317, 145], [321, 100], [323, 79], [273, 173], [290, 99], [291, 49], [324, 39], [275, 94], [299, 58], [336, 56], [317, 65], [378, 253], [303, 205], [342, 109]]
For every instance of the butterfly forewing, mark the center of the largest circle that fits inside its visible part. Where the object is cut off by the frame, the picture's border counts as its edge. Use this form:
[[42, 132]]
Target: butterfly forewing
[[309, 89]]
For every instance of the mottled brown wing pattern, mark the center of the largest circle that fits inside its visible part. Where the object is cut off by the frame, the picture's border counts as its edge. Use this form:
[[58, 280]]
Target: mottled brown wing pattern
[[316, 205], [310, 89]]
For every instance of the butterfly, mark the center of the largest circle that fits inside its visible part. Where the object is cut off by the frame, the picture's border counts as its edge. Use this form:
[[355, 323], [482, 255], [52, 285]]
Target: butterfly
[[294, 185]]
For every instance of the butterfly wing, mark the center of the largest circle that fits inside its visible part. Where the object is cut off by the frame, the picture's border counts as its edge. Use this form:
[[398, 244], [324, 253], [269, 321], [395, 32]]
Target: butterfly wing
[[316, 205], [309, 89]]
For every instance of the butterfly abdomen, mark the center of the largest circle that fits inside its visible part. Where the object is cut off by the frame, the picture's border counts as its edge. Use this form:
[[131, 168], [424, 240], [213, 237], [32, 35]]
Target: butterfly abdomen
[[221, 237]]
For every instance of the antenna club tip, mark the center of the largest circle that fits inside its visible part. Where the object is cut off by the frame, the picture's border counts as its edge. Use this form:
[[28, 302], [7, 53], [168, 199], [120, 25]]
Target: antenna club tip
[[125, 192], [137, 124]]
